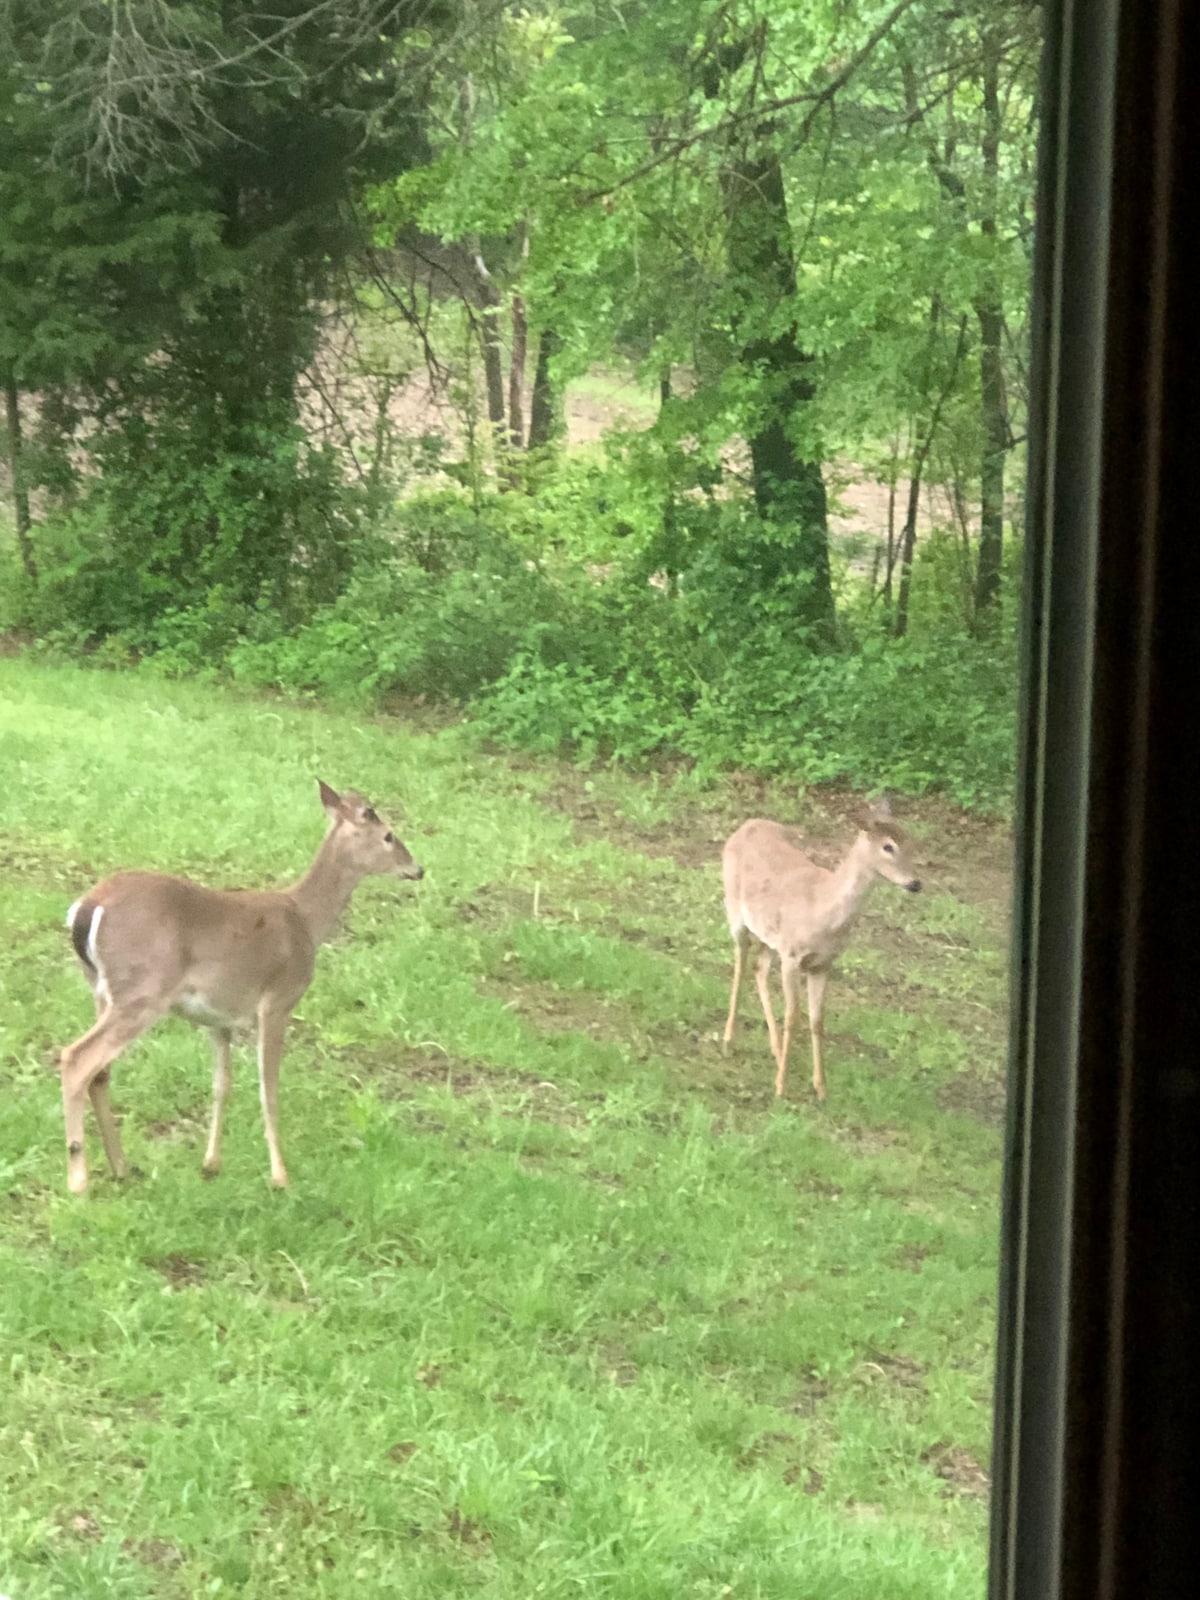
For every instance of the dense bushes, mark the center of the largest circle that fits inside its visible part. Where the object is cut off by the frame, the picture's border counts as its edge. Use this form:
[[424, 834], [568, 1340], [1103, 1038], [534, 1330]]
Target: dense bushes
[[906, 714], [553, 657], [601, 662]]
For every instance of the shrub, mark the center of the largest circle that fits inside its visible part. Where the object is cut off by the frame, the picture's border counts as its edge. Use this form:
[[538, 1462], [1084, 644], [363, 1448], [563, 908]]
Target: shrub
[[399, 627], [910, 715], [608, 663]]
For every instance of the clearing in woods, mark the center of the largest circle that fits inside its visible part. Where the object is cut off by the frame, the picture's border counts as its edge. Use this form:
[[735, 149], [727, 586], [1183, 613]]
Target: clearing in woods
[[561, 1302]]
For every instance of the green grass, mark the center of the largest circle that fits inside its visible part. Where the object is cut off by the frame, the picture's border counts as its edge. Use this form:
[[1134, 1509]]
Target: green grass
[[560, 1302]]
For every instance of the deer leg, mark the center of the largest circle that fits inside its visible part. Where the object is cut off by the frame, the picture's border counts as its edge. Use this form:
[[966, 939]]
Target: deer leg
[[816, 1026], [271, 1028], [222, 1083], [741, 940], [82, 1064], [105, 1121], [761, 971], [791, 991]]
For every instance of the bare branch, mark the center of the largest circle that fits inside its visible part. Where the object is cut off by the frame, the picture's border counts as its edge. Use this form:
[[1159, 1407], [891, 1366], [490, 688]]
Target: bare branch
[[146, 77]]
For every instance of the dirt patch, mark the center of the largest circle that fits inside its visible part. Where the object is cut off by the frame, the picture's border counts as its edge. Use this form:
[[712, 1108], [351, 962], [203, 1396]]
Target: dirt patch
[[687, 846], [902, 1371], [468, 1532], [463, 1080], [809, 1479], [174, 1130], [985, 1099], [612, 927], [862, 1141], [865, 1511], [534, 1096], [80, 1525], [495, 905], [606, 1180], [958, 1468], [18, 863], [615, 1364], [289, 1503], [810, 1184], [400, 1071], [154, 1552], [811, 1394], [402, 1451], [912, 1257], [559, 1010], [765, 1445], [180, 1271]]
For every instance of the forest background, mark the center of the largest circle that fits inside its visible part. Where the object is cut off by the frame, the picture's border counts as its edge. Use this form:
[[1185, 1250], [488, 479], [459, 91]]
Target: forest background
[[648, 380]]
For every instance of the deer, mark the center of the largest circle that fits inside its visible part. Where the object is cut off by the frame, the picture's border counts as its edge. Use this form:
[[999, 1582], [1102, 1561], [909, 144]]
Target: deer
[[779, 900], [149, 944]]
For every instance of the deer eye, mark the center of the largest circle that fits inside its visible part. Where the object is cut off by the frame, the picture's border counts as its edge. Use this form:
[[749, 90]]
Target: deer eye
[[389, 838], [889, 849]]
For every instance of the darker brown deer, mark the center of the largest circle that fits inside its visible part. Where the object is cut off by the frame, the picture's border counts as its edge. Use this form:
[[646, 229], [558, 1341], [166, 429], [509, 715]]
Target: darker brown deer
[[150, 944]]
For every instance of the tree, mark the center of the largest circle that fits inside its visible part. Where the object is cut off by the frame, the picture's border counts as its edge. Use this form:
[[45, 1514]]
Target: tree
[[985, 63], [623, 148], [176, 203]]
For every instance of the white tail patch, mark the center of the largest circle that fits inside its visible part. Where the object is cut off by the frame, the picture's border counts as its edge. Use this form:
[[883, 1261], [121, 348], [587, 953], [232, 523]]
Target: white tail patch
[[100, 983], [93, 956], [103, 992]]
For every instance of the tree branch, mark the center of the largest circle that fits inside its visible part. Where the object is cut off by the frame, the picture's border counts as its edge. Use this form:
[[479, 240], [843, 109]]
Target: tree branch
[[761, 110]]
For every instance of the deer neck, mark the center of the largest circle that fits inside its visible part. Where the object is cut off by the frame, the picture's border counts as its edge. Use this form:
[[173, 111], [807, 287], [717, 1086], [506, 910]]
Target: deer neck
[[850, 883], [325, 890]]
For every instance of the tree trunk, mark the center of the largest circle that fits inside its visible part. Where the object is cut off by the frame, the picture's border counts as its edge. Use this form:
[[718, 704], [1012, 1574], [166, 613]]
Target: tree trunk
[[893, 479], [16, 461], [516, 374], [545, 420], [670, 512], [789, 491], [908, 539], [988, 309], [989, 312], [493, 367], [908, 545], [489, 343]]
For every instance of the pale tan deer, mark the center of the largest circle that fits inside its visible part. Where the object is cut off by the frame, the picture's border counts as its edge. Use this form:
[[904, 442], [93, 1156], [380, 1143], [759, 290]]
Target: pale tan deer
[[149, 944], [779, 900]]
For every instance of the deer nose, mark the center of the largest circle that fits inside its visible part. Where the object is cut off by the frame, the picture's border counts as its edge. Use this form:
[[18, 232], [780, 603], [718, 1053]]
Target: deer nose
[[914, 887], [418, 871]]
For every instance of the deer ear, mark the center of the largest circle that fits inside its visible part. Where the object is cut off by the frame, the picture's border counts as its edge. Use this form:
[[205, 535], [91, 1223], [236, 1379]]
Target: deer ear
[[330, 798], [881, 809]]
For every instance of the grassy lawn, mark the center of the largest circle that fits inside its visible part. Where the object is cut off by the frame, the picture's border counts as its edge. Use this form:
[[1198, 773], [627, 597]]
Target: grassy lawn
[[560, 1302]]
